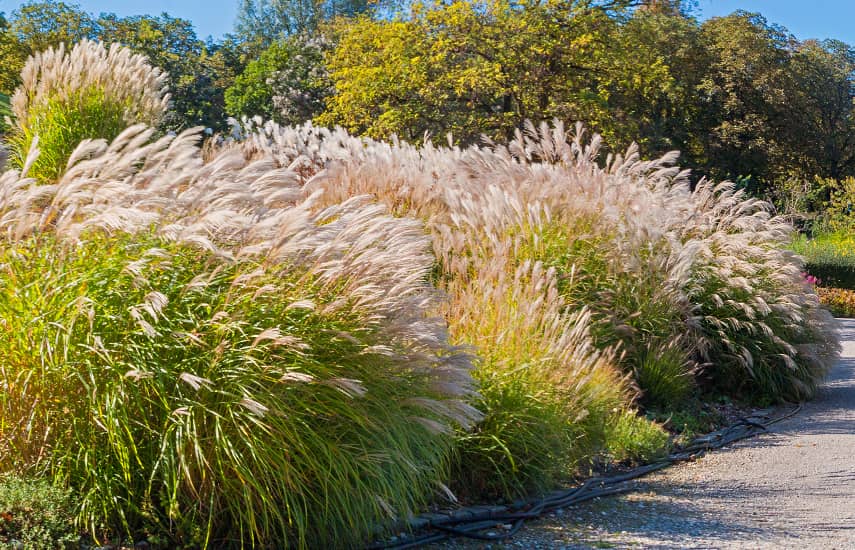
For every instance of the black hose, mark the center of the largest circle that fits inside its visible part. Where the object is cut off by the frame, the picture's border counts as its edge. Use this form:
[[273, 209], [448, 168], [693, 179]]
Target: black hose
[[473, 523]]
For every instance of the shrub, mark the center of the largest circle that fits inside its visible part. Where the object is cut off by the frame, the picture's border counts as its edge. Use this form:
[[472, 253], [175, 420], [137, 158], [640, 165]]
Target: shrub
[[664, 374], [201, 354], [757, 323], [88, 92], [35, 515], [839, 216], [840, 301], [830, 257], [5, 114]]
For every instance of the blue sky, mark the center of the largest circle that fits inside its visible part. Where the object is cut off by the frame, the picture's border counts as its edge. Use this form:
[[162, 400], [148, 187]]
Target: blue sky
[[805, 19]]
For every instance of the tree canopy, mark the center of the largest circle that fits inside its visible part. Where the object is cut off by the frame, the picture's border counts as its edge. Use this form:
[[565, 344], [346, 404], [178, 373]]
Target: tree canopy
[[739, 96]]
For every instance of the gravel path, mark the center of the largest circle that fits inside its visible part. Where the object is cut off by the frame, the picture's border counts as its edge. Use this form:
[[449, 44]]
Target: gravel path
[[793, 487]]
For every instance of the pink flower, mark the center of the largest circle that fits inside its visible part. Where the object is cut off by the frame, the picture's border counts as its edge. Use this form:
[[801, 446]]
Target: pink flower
[[810, 279]]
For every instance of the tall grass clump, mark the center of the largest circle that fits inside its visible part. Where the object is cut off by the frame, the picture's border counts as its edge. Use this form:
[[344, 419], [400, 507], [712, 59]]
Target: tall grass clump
[[653, 259], [90, 91], [204, 354], [546, 390], [757, 322]]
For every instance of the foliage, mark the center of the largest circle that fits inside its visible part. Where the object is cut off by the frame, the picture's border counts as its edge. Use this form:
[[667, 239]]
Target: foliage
[[261, 23], [830, 257], [839, 214], [197, 73], [40, 25], [664, 373], [88, 92], [636, 439], [756, 315], [820, 118], [5, 114], [287, 83], [725, 91], [840, 301], [472, 68], [226, 364], [528, 236], [801, 198], [12, 57], [36, 515]]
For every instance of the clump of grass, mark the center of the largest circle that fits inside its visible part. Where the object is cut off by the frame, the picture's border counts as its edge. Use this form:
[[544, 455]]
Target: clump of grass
[[204, 356], [35, 514], [653, 260], [89, 92], [758, 322], [664, 374], [636, 439]]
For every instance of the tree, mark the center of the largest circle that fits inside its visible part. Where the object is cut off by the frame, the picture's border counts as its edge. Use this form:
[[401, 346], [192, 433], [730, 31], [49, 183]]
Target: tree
[[821, 120], [665, 114], [744, 94], [12, 57], [475, 68], [288, 83], [40, 25], [198, 72], [260, 23]]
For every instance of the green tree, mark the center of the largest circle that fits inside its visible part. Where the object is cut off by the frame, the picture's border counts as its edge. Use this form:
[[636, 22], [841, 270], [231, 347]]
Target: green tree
[[666, 113], [260, 23], [288, 83], [12, 57], [821, 121], [198, 72], [476, 68], [40, 25], [744, 94]]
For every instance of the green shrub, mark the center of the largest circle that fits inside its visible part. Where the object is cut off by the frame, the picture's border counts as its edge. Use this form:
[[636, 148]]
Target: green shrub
[[258, 376], [529, 440], [35, 515], [90, 92], [830, 257], [545, 391], [536, 431], [759, 325]]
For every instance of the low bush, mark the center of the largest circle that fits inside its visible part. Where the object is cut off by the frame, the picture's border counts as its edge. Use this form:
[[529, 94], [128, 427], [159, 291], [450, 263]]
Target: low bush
[[840, 301], [830, 257], [664, 374], [35, 515], [203, 357], [5, 115]]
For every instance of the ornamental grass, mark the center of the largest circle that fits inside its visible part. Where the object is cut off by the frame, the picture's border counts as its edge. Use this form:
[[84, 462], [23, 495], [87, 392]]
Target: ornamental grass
[[205, 356], [90, 91], [295, 336]]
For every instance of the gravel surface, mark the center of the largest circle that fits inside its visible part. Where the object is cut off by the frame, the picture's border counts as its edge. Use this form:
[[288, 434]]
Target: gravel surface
[[793, 487]]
